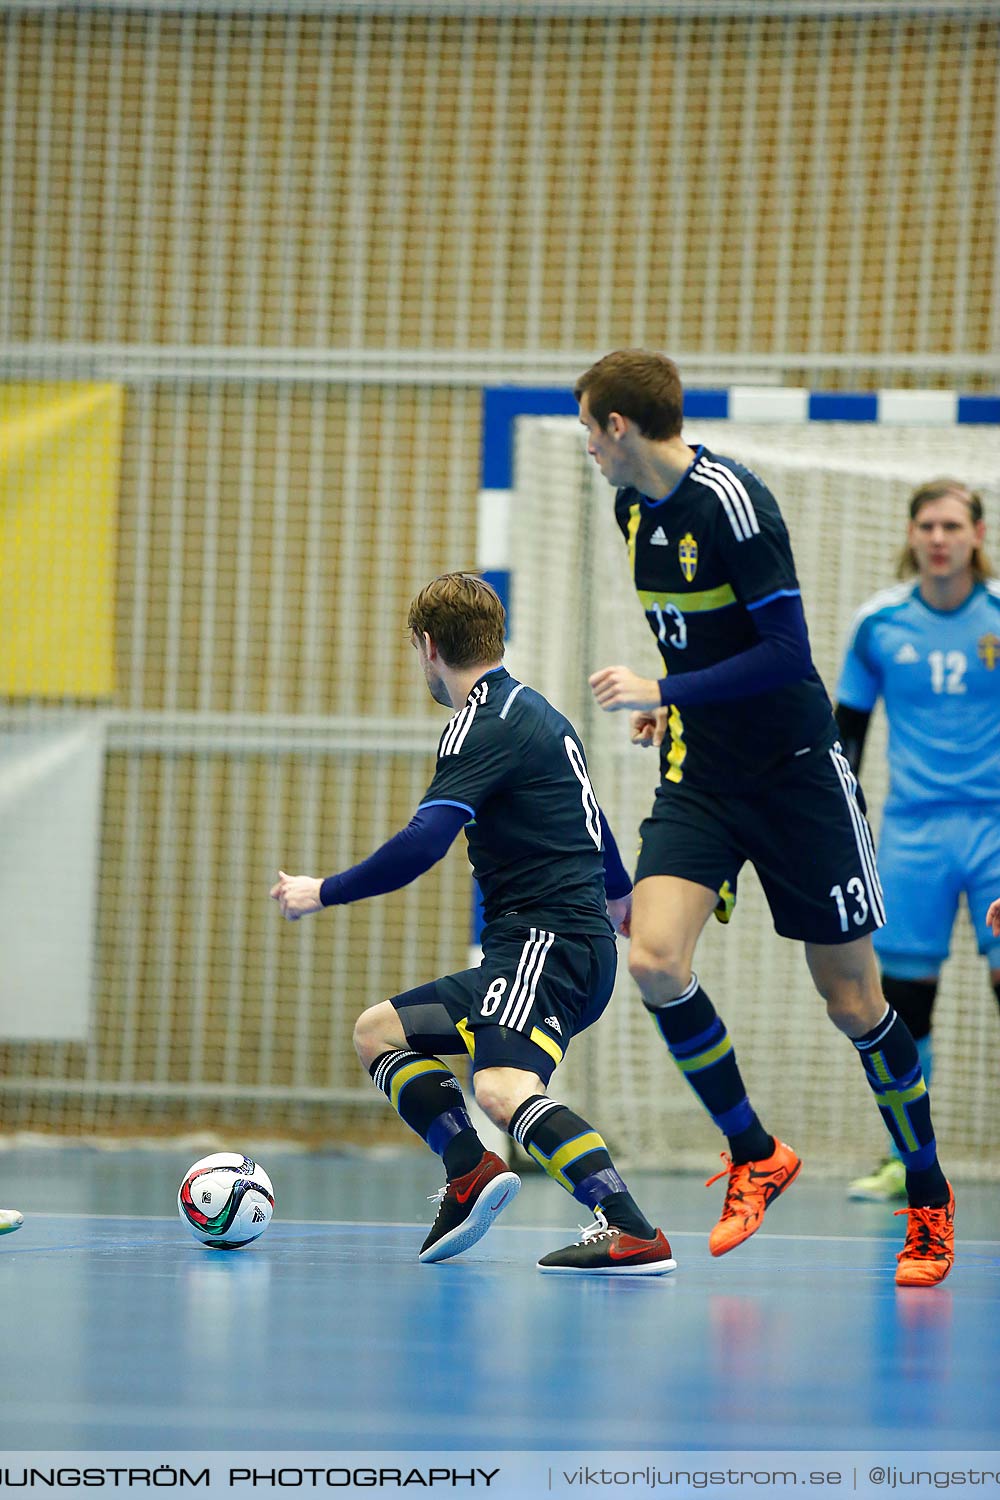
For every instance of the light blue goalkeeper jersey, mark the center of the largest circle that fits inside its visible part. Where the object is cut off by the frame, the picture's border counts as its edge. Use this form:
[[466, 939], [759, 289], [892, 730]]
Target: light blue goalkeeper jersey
[[938, 672]]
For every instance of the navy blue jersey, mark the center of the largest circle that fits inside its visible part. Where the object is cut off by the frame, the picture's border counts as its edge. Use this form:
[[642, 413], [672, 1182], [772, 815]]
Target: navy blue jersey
[[703, 559], [518, 769]]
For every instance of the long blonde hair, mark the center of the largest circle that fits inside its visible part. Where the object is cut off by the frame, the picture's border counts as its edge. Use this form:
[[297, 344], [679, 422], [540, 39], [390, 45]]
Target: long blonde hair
[[937, 489]]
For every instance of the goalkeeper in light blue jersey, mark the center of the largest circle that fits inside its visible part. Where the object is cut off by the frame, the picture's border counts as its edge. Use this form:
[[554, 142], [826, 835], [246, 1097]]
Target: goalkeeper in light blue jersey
[[930, 648]]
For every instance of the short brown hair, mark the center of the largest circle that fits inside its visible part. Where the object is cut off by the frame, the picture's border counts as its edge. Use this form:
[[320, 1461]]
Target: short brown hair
[[464, 618], [644, 387], [937, 489]]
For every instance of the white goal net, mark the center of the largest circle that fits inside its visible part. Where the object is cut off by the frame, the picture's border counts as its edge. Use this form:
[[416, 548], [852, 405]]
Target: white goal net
[[843, 490]]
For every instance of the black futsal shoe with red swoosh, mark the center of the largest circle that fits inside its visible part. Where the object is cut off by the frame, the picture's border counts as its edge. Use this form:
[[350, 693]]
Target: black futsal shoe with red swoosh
[[751, 1189], [468, 1205], [604, 1250]]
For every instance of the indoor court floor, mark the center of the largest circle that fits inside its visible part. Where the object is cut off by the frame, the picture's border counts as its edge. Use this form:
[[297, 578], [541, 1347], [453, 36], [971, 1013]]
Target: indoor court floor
[[120, 1332]]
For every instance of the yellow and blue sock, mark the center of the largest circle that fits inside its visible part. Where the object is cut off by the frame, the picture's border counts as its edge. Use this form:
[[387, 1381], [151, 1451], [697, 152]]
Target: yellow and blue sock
[[892, 1066], [701, 1047], [428, 1097], [575, 1156]]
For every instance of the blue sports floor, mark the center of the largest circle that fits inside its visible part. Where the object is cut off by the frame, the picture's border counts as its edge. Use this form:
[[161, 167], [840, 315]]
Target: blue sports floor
[[120, 1332]]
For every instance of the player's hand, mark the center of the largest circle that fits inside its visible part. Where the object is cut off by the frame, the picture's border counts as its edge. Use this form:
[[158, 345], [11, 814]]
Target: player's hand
[[297, 895], [648, 728], [619, 687], [993, 917], [620, 914]]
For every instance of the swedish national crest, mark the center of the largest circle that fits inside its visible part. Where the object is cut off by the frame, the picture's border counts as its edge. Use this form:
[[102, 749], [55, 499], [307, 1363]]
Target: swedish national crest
[[988, 647], [687, 556]]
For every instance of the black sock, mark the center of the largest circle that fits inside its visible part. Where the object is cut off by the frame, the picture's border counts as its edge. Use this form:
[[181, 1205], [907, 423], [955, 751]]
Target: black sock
[[463, 1152], [927, 1189], [752, 1144], [621, 1210]]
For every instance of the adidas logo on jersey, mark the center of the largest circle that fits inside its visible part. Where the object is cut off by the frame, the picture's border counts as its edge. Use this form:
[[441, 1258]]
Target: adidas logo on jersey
[[659, 538], [906, 655], [551, 1021]]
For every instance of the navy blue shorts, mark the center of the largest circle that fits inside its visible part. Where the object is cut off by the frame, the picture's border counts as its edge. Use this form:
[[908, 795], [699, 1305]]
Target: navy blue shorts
[[803, 829], [533, 992]]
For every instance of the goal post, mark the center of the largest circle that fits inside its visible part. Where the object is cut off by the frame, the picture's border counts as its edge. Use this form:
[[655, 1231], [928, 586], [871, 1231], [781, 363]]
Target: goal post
[[842, 486]]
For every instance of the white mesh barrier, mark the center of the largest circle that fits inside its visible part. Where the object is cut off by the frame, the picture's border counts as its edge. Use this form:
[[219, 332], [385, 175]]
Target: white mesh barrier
[[488, 185], [261, 708], [283, 245], [843, 490]]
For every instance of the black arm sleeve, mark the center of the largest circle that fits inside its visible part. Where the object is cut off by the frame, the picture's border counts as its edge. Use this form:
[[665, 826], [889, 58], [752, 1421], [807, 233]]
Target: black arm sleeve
[[427, 838], [616, 881], [780, 656], [853, 725]]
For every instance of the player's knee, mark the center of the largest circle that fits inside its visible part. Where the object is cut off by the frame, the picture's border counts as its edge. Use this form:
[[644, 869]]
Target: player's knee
[[659, 971], [846, 1017], [364, 1036], [499, 1091], [377, 1030], [494, 1097], [855, 1009], [847, 978]]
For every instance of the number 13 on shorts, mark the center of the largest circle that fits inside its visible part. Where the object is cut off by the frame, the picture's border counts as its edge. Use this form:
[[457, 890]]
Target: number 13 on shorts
[[855, 892]]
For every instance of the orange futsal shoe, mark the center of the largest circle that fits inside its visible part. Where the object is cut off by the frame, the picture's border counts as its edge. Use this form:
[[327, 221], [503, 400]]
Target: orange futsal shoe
[[928, 1252], [752, 1188]]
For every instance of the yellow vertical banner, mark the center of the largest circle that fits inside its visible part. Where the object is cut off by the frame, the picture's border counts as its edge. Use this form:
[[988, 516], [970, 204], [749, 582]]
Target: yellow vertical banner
[[60, 452]]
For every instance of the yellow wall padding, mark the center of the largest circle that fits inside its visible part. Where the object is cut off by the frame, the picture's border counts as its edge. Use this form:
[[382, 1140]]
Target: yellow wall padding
[[60, 447]]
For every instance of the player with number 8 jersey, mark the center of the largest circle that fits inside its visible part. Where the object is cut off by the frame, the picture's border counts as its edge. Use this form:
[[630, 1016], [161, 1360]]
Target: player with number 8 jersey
[[512, 772], [531, 837]]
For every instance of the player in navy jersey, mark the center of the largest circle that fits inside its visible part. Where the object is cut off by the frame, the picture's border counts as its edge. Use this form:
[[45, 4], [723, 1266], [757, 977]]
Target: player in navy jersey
[[511, 771], [930, 649], [751, 769]]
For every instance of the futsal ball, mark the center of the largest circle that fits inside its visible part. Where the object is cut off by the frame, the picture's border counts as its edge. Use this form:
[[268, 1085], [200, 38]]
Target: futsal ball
[[226, 1200]]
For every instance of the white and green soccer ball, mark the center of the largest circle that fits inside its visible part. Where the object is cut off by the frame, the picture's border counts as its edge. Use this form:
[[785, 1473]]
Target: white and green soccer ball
[[226, 1200]]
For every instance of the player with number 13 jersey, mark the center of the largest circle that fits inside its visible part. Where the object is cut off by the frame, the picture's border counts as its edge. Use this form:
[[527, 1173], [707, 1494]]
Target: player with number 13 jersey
[[750, 728], [705, 559], [751, 770]]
